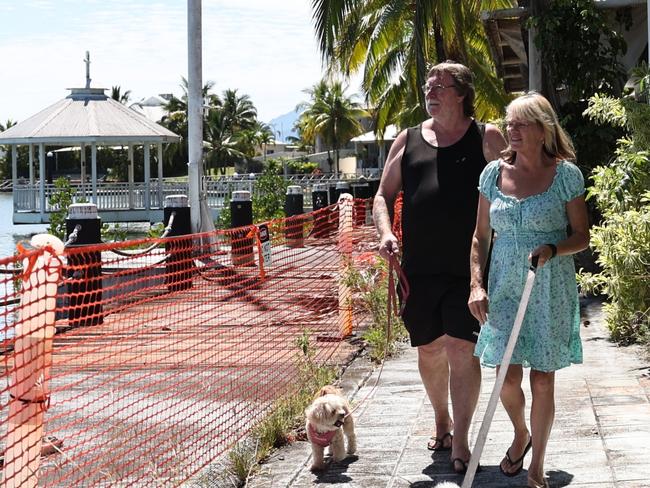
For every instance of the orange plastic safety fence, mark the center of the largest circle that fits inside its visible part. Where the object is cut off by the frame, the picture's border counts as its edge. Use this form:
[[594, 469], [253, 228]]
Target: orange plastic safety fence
[[162, 361], [397, 216]]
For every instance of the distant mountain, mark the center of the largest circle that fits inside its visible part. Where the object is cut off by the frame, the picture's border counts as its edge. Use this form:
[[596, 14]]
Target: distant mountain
[[283, 126]]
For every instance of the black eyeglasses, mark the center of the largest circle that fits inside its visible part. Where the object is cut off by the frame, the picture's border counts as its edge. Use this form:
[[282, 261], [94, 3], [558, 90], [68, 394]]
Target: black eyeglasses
[[435, 88], [513, 125]]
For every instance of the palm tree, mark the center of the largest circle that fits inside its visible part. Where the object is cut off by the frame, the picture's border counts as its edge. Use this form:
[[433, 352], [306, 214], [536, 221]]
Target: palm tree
[[117, 95], [7, 125], [331, 115], [176, 104], [239, 111], [223, 149], [264, 136], [392, 41], [176, 120], [5, 163]]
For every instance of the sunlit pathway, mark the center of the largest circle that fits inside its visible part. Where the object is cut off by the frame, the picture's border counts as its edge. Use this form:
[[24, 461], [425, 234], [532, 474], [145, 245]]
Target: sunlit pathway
[[600, 437]]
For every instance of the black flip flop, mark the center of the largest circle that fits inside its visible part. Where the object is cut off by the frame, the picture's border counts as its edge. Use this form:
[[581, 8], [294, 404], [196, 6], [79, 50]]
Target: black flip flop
[[516, 461], [441, 440]]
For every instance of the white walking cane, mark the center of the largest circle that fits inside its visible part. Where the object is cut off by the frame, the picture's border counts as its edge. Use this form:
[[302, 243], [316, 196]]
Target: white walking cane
[[498, 384]]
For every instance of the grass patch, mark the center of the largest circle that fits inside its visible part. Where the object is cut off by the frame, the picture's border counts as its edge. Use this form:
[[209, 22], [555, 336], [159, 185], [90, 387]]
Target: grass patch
[[369, 284], [285, 417]]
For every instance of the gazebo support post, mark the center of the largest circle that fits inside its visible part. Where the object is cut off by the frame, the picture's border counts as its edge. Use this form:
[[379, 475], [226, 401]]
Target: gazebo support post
[[14, 170], [32, 193], [160, 175], [147, 178], [83, 170], [131, 177], [41, 178], [93, 171]]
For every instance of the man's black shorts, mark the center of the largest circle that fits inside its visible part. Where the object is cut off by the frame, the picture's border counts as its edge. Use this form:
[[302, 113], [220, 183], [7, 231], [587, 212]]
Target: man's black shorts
[[437, 305]]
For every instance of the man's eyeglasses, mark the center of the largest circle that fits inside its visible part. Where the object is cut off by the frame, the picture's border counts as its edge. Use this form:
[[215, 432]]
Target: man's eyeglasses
[[428, 87], [517, 125]]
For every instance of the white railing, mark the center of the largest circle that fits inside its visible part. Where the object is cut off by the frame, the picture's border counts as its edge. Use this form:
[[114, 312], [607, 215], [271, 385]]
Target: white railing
[[134, 196]]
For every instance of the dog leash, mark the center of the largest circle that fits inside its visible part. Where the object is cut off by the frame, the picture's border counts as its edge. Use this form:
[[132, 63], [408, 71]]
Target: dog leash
[[498, 384], [391, 308]]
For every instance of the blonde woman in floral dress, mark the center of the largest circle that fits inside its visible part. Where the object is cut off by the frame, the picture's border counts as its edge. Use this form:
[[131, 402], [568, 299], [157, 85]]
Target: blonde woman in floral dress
[[528, 198]]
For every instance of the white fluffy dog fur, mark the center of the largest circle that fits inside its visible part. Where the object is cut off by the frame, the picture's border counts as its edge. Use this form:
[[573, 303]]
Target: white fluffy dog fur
[[329, 415]]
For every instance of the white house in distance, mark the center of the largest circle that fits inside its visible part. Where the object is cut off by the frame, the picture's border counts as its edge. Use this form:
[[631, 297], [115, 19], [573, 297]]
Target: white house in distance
[[153, 106], [371, 150]]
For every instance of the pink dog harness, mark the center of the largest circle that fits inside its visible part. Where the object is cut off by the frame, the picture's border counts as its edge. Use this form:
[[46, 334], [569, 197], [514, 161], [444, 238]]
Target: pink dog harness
[[322, 439]]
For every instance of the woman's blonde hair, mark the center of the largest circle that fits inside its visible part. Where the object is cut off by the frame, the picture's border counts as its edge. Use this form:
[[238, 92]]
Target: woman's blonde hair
[[533, 107]]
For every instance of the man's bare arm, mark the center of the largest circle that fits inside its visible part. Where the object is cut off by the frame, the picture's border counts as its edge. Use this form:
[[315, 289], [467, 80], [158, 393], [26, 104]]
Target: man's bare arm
[[389, 187], [493, 143]]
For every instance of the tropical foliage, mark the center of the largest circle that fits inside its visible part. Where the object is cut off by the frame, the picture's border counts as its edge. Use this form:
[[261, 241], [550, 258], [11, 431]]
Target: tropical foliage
[[231, 132], [580, 51], [117, 95], [267, 199], [392, 43], [331, 115], [621, 190], [60, 200], [5, 162]]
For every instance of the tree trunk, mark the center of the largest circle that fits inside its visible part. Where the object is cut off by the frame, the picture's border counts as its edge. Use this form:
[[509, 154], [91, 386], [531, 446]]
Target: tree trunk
[[336, 152], [441, 54]]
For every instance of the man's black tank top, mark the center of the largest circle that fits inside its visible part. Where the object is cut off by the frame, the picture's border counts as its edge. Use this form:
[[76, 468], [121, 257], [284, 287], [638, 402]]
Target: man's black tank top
[[439, 204]]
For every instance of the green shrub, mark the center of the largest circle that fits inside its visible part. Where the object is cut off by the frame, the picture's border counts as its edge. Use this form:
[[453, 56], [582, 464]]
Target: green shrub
[[622, 240], [623, 245], [301, 167], [114, 232], [60, 201], [268, 197]]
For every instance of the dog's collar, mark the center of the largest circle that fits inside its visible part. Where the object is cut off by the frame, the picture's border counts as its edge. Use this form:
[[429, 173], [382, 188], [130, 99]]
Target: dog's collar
[[322, 439]]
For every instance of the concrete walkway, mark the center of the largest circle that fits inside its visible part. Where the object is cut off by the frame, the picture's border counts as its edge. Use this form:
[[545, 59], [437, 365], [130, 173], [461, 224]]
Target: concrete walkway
[[601, 435]]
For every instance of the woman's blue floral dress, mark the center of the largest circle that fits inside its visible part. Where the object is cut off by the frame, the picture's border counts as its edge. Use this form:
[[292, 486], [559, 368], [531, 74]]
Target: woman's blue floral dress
[[550, 334]]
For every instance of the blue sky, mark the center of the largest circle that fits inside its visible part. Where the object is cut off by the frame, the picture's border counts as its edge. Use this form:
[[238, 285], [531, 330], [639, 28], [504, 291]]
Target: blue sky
[[264, 48]]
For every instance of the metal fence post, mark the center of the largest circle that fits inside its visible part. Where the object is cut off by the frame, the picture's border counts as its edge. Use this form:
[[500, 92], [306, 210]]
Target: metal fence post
[[293, 207], [241, 215], [179, 266], [85, 284]]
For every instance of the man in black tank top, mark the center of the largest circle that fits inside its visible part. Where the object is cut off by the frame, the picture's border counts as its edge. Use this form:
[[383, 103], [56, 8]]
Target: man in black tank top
[[437, 165]]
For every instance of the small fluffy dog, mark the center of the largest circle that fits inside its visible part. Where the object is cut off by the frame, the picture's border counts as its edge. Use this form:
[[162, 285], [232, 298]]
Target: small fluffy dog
[[328, 418]]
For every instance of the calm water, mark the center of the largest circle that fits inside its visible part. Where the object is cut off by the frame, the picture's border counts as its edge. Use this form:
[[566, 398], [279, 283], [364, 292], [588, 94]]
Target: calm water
[[10, 234]]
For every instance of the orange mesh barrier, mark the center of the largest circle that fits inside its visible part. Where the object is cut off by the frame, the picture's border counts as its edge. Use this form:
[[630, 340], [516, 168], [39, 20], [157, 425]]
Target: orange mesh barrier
[[397, 216], [161, 361]]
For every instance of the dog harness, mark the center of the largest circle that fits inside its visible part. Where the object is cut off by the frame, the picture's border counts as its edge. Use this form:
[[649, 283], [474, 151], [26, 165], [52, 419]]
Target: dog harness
[[322, 439]]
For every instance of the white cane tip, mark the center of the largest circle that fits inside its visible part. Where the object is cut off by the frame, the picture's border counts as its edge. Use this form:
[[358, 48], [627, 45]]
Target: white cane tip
[[42, 240]]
